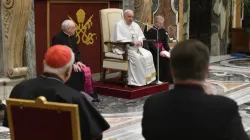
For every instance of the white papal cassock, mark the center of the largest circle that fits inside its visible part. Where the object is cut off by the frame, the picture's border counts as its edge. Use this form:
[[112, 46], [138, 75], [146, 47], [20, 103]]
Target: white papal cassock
[[141, 66]]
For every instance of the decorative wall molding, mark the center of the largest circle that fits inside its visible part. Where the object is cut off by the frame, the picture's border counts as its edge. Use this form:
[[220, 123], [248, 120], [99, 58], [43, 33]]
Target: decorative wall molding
[[220, 27], [157, 4], [128, 4], [142, 9], [160, 8], [15, 16], [173, 6], [175, 9]]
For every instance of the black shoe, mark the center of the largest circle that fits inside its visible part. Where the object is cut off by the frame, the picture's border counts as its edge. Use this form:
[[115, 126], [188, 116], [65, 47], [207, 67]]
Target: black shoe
[[95, 97], [96, 100]]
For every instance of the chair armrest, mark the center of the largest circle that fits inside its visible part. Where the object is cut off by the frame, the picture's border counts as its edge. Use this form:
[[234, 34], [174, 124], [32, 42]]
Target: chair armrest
[[124, 45], [119, 43]]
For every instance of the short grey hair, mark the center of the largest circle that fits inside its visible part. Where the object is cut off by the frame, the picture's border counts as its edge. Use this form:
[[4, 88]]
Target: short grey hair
[[66, 24], [157, 18], [127, 11]]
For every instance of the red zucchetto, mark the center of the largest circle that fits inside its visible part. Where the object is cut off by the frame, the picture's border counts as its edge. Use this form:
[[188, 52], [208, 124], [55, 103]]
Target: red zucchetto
[[58, 56]]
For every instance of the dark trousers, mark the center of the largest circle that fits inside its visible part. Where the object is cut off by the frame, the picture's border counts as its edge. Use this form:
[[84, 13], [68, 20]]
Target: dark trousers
[[76, 81]]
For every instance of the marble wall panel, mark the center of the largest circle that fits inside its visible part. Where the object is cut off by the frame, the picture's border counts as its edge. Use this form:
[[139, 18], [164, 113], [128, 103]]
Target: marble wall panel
[[220, 26], [1, 46], [170, 14], [128, 4], [142, 8], [30, 48], [186, 16]]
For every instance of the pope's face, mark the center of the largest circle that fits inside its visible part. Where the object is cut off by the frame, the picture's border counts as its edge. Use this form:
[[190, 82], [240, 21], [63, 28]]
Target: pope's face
[[128, 17]]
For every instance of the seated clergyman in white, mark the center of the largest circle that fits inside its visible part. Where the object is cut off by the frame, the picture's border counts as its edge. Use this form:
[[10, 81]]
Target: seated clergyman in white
[[141, 66]]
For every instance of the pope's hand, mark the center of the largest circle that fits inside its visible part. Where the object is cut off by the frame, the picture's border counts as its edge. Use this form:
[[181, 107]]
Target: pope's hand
[[138, 43], [80, 64], [76, 68]]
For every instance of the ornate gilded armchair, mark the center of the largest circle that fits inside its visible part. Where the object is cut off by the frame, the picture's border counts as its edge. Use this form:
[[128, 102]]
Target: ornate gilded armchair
[[110, 60], [42, 120]]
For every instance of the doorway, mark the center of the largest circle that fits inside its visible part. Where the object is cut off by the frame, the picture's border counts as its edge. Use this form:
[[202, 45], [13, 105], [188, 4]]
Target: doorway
[[200, 21]]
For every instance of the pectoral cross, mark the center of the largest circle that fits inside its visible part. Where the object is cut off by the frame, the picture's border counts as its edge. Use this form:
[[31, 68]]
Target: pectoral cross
[[133, 37]]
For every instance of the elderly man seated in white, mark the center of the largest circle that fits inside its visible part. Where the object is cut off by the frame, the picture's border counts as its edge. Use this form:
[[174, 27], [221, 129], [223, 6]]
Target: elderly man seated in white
[[141, 69]]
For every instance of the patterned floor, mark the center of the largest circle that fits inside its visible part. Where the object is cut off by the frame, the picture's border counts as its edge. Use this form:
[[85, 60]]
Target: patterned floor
[[228, 76]]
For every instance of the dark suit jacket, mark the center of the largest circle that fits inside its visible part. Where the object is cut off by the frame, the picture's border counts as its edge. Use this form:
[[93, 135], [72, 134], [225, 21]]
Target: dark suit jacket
[[70, 41], [187, 112]]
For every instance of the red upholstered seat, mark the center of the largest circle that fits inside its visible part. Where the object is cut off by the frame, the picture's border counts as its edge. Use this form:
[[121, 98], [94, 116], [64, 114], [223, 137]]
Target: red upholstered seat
[[42, 120]]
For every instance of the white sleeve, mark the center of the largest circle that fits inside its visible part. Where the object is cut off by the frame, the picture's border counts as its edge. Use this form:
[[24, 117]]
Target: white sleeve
[[118, 34], [140, 34]]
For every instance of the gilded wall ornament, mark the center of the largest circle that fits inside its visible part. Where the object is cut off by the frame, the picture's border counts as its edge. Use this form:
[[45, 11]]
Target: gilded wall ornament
[[82, 27]]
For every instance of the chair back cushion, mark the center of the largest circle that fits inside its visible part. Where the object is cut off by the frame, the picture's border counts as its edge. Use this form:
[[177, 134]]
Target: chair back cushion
[[109, 17]]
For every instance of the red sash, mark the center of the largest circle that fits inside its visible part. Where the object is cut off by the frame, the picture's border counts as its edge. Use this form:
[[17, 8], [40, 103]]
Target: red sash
[[88, 86], [160, 46]]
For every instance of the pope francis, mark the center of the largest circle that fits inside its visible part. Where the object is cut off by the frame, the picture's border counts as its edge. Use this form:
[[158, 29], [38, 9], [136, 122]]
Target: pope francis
[[141, 66]]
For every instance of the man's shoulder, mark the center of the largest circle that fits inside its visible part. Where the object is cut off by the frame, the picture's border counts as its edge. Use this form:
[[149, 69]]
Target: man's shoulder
[[208, 100], [24, 85], [221, 101], [163, 30], [28, 82], [157, 97], [60, 88], [151, 30], [58, 35]]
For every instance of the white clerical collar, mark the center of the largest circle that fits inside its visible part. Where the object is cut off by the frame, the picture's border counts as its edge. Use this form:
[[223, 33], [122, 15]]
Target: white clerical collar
[[66, 34]]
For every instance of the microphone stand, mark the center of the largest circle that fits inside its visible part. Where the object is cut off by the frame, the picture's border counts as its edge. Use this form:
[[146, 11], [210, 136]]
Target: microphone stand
[[158, 50]]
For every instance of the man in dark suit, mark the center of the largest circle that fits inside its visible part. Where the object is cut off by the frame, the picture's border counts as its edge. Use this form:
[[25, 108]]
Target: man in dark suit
[[67, 37], [187, 111]]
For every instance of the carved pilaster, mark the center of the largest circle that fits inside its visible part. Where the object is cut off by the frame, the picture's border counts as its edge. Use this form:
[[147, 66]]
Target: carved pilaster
[[160, 8], [1, 45], [15, 16], [142, 10]]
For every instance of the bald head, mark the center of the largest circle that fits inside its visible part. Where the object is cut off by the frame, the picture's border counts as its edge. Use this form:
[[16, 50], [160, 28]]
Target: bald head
[[128, 16], [69, 27]]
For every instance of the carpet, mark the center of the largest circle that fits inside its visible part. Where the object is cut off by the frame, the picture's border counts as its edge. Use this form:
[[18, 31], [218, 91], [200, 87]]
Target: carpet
[[110, 88]]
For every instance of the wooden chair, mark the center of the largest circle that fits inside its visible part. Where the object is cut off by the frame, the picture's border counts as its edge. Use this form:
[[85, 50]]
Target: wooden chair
[[42, 120], [110, 60]]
